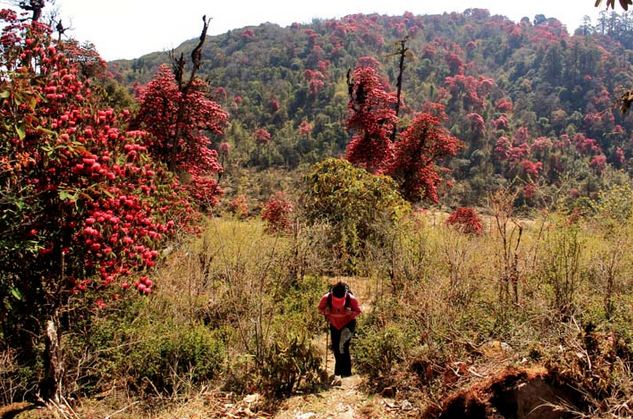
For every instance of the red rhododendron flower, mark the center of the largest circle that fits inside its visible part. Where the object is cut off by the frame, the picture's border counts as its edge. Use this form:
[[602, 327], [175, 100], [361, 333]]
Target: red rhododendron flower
[[466, 220], [416, 154], [277, 212]]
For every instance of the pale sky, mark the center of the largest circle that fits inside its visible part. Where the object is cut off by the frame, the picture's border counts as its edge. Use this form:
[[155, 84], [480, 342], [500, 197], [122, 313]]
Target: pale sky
[[131, 28]]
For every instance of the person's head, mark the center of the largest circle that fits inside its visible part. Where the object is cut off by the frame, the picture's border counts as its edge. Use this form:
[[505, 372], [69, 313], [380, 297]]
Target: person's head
[[339, 290]]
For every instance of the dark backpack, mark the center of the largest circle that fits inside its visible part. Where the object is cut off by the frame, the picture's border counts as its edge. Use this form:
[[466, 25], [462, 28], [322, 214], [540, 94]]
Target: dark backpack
[[348, 298]]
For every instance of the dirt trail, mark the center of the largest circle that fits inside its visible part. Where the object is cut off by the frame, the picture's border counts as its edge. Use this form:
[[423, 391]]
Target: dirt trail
[[346, 401]]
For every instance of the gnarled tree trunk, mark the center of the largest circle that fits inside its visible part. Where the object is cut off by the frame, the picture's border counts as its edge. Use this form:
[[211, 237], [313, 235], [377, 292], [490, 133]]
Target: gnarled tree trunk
[[51, 385]]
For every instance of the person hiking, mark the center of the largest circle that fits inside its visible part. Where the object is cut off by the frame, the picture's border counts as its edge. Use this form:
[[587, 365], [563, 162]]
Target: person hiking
[[340, 308]]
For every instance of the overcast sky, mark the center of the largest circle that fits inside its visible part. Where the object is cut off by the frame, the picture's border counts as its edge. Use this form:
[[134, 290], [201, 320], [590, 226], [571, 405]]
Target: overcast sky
[[131, 28]]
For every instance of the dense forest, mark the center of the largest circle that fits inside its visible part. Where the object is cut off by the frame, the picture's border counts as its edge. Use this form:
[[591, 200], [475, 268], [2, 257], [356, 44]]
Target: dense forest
[[534, 106]]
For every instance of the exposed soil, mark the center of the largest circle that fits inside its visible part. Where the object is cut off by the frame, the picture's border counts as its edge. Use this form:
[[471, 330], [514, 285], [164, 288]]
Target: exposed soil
[[514, 393]]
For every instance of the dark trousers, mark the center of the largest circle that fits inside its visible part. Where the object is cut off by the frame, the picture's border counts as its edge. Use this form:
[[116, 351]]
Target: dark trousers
[[343, 364]]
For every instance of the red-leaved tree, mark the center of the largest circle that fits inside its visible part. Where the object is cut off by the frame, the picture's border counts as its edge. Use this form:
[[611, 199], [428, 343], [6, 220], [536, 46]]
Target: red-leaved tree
[[465, 220], [416, 154], [82, 203], [412, 157], [372, 119]]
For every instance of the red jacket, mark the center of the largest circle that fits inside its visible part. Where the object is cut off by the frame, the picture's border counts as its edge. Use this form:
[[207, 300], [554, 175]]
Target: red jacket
[[338, 315]]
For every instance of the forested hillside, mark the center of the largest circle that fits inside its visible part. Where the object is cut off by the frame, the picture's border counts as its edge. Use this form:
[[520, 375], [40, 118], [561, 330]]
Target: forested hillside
[[195, 250], [533, 105]]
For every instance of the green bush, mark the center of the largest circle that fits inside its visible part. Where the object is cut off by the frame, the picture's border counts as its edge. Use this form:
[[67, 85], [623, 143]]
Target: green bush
[[299, 306], [291, 363], [167, 358], [147, 350], [356, 203], [241, 375], [377, 350]]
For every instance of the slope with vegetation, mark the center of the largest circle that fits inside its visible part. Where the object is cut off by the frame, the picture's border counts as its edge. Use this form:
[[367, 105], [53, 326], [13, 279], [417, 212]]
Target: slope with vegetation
[[534, 106], [464, 313]]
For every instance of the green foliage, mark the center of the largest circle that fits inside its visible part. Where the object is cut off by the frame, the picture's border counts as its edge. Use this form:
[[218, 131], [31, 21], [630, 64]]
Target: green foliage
[[354, 202], [298, 305], [15, 379], [290, 363], [152, 353], [378, 349], [164, 359], [614, 207]]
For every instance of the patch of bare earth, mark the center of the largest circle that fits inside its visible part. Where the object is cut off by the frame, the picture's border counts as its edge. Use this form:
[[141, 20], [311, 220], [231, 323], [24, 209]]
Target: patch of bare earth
[[519, 393], [345, 401]]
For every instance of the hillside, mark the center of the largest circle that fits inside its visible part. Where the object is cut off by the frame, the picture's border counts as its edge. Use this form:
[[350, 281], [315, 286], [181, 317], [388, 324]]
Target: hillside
[[533, 105], [164, 258]]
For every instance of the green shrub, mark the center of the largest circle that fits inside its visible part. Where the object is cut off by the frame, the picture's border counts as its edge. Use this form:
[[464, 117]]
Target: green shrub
[[299, 306], [356, 203], [561, 267], [377, 350], [169, 357], [150, 352], [291, 363], [241, 375]]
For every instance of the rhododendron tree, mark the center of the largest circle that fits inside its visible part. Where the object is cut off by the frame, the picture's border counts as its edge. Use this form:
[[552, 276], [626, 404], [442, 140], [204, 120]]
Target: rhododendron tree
[[305, 128], [465, 220], [531, 168], [83, 204], [477, 122], [414, 163], [599, 162], [247, 34], [411, 159], [315, 79], [372, 119], [178, 114], [239, 206], [504, 105], [277, 212], [177, 118], [262, 135]]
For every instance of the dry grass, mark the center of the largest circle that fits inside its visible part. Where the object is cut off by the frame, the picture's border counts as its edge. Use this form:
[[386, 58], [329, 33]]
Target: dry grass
[[443, 289]]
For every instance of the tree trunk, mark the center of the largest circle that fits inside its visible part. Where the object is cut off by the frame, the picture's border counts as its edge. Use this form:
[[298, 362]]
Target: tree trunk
[[51, 385]]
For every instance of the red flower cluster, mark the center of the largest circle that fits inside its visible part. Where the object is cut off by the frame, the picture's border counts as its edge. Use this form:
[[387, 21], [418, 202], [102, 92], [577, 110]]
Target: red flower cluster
[[315, 80], [504, 105], [262, 136], [239, 206], [277, 212], [531, 168], [599, 162], [247, 34], [477, 122], [178, 121], [465, 220], [305, 128], [91, 195]]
